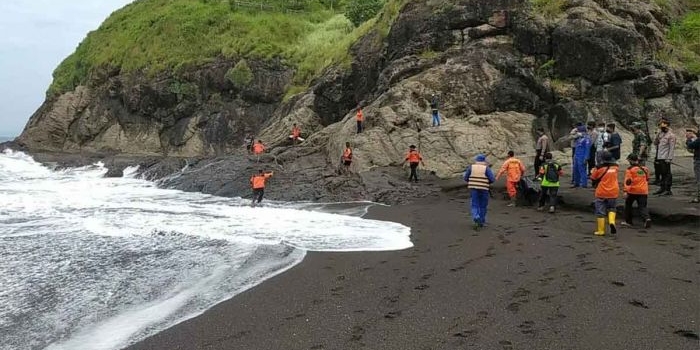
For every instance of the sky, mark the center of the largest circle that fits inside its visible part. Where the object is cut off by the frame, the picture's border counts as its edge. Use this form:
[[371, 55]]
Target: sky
[[36, 36]]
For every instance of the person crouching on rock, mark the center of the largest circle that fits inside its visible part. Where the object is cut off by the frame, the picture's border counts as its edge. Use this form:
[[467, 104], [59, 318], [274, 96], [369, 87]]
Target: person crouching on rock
[[636, 189], [257, 181], [296, 134], [479, 178], [346, 158], [550, 173], [606, 193], [413, 158], [514, 169]]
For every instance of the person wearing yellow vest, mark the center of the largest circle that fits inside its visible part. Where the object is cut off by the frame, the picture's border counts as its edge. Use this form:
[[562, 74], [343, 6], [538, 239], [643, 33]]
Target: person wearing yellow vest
[[514, 169], [413, 158], [479, 178], [257, 181], [360, 118]]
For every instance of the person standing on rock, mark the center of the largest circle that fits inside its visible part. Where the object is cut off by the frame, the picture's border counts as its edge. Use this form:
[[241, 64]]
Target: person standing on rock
[[636, 189], [360, 119], [479, 178], [640, 143], [257, 181], [583, 150], [692, 142], [413, 158], [258, 149], [296, 134], [614, 142], [665, 146], [346, 158], [541, 147], [434, 110], [550, 172], [248, 142], [514, 169], [606, 193], [657, 164]]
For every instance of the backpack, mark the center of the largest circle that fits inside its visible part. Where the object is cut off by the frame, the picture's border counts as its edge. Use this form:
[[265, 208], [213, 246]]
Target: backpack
[[552, 172]]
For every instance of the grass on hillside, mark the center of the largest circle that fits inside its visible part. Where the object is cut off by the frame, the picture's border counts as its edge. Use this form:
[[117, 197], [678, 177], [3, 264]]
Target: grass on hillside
[[157, 35], [549, 8], [684, 40]]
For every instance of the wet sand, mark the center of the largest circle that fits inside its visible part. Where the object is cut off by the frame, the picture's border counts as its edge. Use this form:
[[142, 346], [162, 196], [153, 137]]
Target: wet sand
[[529, 280]]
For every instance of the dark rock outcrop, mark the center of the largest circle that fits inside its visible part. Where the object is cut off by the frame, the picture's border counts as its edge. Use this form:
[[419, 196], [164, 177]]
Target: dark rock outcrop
[[499, 69]]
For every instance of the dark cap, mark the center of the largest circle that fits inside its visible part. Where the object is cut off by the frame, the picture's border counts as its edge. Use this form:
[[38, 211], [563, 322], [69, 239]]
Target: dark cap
[[633, 157], [412, 146]]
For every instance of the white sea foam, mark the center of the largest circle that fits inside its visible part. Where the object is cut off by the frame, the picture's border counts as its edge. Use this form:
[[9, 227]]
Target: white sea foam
[[97, 263]]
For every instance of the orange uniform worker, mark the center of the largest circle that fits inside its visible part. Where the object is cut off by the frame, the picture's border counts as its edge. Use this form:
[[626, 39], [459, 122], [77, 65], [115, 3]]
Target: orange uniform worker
[[257, 181], [514, 169], [296, 133], [606, 193], [636, 189], [258, 148], [360, 118], [346, 158], [413, 158]]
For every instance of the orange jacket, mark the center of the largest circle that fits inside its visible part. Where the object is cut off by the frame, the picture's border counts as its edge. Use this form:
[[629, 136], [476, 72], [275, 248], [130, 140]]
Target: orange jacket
[[347, 154], [258, 148], [360, 117], [296, 132], [413, 156], [514, 168], [637, 180], [258, 181], [608, 187]]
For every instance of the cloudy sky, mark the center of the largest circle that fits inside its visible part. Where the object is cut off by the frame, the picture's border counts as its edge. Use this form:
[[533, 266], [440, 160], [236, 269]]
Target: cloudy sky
[[36, 36]]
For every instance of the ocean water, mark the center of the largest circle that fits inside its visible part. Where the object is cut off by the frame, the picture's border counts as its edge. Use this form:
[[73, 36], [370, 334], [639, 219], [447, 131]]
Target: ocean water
[[99, 263]]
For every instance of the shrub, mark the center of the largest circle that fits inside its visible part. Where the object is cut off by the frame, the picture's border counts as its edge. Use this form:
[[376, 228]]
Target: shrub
[[683, 39], [360, 11], [240, 75], [549, 8]]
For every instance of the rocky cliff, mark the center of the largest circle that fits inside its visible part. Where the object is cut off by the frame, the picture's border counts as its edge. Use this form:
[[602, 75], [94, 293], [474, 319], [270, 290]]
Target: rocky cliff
[[501, 68]]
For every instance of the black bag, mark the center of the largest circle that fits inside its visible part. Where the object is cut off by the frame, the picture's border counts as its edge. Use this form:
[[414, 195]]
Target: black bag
[[528, 191], [552, 172]]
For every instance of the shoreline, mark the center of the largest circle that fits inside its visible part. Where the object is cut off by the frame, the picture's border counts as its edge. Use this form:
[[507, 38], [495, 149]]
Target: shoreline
[[536, 282]]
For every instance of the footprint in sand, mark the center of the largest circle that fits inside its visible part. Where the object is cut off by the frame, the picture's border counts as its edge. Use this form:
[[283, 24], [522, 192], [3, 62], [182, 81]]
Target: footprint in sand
[[506, 344], [638, 303], [617, 283]]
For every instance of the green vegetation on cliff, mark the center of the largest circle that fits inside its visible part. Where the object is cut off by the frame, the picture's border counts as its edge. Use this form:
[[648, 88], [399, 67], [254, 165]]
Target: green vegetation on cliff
[[157, 35], [684, 41]]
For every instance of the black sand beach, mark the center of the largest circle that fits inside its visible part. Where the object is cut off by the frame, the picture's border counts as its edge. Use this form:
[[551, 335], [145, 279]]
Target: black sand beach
[[529, 280]]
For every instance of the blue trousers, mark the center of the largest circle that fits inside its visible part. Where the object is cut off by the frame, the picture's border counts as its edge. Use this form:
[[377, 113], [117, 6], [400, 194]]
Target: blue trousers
[[580, 172], [436, 118], [480, 201]]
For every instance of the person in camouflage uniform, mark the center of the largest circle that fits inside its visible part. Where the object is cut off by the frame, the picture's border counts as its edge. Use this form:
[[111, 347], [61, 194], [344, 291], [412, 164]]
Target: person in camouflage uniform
[[640, 144]]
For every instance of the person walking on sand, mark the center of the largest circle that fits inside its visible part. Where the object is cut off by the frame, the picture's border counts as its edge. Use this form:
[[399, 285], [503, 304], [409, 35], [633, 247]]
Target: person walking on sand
[[360, 119], [258, 149], [665, 145], [434, 110], [636, 189], [692, 142], [257, 181], [514, 169], [413, 158], [550, 172], [346, 159], [479, 178], [296, 134], [541, 147], [580, 168], [606, 193]]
